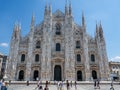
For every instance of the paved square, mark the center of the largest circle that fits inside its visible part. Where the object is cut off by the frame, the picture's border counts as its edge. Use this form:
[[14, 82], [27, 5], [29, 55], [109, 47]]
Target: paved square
[[54, 87]]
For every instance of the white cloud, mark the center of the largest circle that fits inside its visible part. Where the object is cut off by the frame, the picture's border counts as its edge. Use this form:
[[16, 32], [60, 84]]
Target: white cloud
[[115, 59], [4, 44]]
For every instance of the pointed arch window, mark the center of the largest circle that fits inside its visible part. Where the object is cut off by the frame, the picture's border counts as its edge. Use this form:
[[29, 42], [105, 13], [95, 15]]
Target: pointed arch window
[[92, 57], [37, 58], [58, 29], [58, 47], [36, 75], [79, 75], [22, 57], [21, 75], [94, 74], [77, 44], [78, 57], [38, 44]]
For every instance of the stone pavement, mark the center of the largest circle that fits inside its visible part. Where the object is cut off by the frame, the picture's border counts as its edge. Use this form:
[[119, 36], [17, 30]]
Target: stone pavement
[[54, 87]]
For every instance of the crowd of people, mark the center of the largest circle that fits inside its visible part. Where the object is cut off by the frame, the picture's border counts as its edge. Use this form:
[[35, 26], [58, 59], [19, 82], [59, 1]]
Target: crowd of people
[[59, 84], [62, 84]]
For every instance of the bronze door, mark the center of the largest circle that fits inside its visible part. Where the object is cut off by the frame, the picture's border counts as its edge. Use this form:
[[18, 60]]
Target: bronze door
[[57, 73]]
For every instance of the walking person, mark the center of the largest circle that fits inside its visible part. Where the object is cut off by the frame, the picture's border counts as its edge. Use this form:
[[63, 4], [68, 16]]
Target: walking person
[[95, 84], [46, 86], [4, 86], [112, 88], [62, 85], [40, 85], [0, 84], [75, 85], [40, 88], [68, 86], [71, 83], [58, 85], [98, 84]]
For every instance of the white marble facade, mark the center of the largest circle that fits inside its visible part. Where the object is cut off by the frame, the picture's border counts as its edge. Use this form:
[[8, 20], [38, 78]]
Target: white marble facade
[[57, 49]]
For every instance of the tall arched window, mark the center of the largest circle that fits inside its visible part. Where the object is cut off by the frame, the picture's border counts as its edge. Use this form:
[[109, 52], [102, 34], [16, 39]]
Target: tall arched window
[[37, 58], [21, 75], [77, 44], [38, 44], [78, 57], [22, 57], [94, 74], [79, 75], [58, 29], [92, 57], [58, 48], [36, 75]]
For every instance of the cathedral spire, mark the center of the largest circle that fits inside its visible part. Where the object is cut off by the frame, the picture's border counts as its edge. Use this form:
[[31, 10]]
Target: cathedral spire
[[101, 31], [100, 27], [97, 30], [70, 8], [50, 9], [32, 23], [66, 8], [32, 20], [16, 32], [17, 26], [46, 8], [83, 19]]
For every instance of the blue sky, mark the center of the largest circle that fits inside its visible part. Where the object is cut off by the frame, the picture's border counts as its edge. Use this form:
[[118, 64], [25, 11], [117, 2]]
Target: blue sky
[[106, 11]]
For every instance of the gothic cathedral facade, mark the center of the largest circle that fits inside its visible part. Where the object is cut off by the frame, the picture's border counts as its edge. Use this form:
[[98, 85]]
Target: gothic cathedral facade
[[57, 49]]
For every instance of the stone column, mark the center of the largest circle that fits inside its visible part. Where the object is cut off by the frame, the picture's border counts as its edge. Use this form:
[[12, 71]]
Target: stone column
[[86, 57]]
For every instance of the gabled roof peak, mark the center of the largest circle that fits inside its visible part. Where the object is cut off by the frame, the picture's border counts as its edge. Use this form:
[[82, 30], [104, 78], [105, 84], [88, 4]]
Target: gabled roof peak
[[58, 13]]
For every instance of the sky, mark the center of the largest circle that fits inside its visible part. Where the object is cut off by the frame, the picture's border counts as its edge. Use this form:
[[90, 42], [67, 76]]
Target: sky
[[95, 11]]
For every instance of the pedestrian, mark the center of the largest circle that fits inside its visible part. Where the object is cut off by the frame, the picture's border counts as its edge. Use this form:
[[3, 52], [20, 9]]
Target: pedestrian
[[98, 84], [95, 84], [0, 84], [40, 85], [58, 85], [66, 83], [40, 88], [27, 83], [71, 83], [62, 84], [75, 85], [4, 86], [112, 88], [68, 86], [46, 87]]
